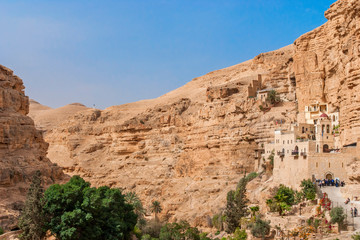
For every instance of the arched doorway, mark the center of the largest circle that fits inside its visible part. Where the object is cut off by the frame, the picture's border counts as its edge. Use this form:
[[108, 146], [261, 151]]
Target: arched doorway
[[326, 148], [329, 176]]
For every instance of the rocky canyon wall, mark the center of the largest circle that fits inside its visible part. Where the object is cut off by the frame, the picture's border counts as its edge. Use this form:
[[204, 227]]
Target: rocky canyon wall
[[22, 148], [188, 148], [327, 66]]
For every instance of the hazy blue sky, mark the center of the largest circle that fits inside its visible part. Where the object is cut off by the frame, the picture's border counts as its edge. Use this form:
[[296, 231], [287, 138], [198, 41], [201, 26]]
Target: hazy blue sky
[[113, 52]]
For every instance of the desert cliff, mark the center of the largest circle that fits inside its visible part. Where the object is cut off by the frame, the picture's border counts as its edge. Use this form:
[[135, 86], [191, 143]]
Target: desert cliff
[[22, 148], [189, 147]]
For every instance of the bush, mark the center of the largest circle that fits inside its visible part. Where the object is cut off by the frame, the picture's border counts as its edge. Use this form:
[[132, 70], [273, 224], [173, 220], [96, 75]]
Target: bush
[[152, 228], [181, 230], [308, 189], [282, 201], [239, 235], [260, 228], [80, 212], [1, 231], [337, 216], [251, 176], [356, 236]]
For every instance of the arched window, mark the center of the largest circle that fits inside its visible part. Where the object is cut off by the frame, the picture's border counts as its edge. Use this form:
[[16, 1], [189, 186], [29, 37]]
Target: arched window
[[317, 148], [328, 128]]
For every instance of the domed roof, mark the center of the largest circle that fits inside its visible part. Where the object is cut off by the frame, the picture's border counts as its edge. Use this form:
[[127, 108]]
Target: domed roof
[[324, 115]]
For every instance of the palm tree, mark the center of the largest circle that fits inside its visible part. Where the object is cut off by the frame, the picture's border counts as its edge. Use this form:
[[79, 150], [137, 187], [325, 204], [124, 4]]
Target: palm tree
[[133, 199], [156, 208]]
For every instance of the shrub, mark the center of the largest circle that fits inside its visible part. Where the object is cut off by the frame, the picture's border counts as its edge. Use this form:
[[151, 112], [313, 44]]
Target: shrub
[[260, 228], [80, 212], [152, 228], [217, 221], [146, 237], [356, 236], [1, 231], [282, 201], [181, 230], [251, 176], [239, 235], [308, 189], [337, 216]]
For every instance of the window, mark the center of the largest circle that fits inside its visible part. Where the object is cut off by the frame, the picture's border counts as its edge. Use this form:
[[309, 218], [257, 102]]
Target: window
[[283, 141], [291, 141], [328, 128], [329, 164], [317, 165], [287, 151], [288, 141], [342, 164], [303, 130]]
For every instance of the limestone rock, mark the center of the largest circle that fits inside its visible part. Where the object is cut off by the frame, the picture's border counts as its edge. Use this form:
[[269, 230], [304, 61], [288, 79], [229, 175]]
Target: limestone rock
[[22, 148]]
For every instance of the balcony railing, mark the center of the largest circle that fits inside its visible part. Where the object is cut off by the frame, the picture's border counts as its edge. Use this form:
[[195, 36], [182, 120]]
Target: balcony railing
[[304, 154], [281, 154]]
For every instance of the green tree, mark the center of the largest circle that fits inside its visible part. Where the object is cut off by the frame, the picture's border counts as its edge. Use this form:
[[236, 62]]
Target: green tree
[[282, 201], [80, 212], [236, 206], [273, 97], [32, 219], [308, 189], [260, 228], [179, 231], [254, 210], [133, 199], [337, 216], [156, 209]]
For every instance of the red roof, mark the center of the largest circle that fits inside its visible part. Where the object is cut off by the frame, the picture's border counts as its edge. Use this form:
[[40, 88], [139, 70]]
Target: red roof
[[324, 115]]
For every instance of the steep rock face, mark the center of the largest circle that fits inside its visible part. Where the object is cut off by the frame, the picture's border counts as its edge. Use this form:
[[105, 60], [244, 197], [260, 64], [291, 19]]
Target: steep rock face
[[22, 147], [187, 148], [327, 66]]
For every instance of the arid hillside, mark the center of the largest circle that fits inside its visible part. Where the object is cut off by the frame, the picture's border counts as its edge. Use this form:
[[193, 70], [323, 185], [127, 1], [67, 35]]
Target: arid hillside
[[189, 147], [22, 148]]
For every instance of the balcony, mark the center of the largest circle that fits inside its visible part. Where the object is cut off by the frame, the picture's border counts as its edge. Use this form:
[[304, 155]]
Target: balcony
[[295, 153], [304, 154], [281, 154]]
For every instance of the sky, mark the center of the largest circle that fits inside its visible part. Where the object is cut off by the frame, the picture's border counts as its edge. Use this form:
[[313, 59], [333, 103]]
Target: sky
[[111, 52]]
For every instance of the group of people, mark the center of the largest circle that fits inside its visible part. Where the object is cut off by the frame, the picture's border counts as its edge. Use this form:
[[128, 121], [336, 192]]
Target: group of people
[[330, 182], [354, 212]]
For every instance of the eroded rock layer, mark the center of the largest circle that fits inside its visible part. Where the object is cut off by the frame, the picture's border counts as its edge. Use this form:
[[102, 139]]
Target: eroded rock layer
[[22, 148]]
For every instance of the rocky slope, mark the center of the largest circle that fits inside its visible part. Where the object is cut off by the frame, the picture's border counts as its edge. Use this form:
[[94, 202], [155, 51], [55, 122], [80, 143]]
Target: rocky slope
[[46, 118], [22, 148], [186, 148], [190, 146]]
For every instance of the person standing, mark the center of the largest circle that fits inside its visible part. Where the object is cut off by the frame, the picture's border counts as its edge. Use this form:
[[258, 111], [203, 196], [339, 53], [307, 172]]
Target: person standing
[[355, 212]]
